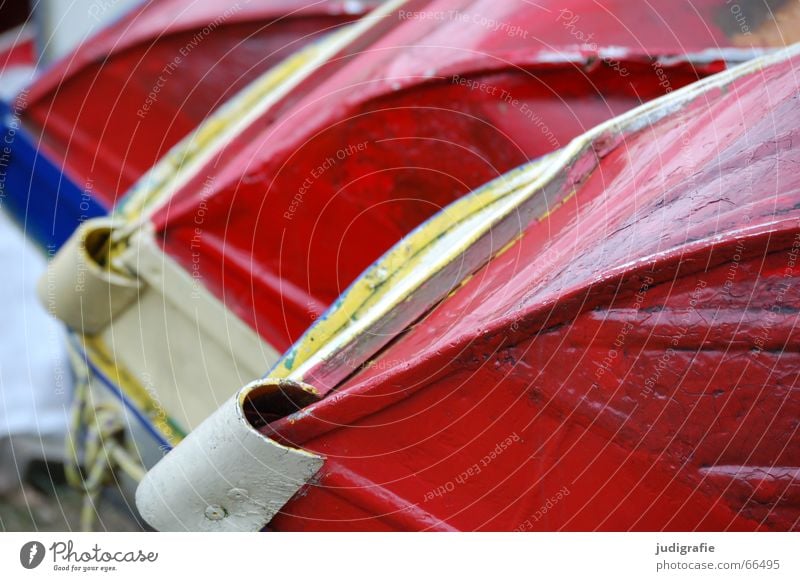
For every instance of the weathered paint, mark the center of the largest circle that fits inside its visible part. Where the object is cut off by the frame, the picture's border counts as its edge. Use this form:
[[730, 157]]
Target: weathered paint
[[389, 114], [96, 359], [129, 257], [113, 107], [210, 486], [406, 282], [81, 287], [190, 160], [420, 112], [630, 363], [192, 154]]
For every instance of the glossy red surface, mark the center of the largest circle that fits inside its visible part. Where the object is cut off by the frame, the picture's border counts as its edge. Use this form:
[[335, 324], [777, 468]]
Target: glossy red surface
[[448, 95], [630, 363], [112, 108]]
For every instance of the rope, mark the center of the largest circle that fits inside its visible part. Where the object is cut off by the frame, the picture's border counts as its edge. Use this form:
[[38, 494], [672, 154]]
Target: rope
[[95, 445]]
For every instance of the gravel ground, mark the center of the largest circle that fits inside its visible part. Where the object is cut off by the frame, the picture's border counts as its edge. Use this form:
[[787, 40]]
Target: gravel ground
[[44, 502]]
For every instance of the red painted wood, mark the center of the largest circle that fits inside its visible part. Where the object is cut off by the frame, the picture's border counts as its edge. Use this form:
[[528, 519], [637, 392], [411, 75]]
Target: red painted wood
[[449, 95], [631, 363], [113, 107]]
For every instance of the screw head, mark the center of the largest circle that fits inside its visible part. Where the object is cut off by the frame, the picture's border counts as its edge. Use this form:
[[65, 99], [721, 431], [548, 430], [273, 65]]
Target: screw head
[[215, 512], [238, 494]]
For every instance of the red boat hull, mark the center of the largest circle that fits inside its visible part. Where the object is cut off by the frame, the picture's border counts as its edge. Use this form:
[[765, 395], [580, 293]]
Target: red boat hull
[[630, 363], [112, 108], [409, 120]]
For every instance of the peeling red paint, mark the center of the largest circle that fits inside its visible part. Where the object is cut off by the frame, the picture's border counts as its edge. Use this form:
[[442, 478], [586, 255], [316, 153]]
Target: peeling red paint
[[640, 342], [426, 108]]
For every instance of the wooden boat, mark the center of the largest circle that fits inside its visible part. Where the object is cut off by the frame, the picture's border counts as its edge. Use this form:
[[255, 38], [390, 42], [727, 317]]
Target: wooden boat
[[366, 147], [341, 151], [101, 116], [602, 340]]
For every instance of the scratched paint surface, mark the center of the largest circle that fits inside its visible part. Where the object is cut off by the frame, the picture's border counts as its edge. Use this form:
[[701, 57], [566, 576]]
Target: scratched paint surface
[[630, 363], [429, 109], [112, 108]]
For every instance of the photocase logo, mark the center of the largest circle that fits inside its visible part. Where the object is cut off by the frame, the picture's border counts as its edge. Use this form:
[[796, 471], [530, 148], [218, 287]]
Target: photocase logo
[[31, 554]]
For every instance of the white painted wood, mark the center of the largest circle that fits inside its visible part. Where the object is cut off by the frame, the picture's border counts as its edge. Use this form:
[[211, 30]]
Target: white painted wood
[[80, 291], [225, 476], [158, 323]]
